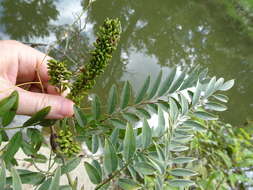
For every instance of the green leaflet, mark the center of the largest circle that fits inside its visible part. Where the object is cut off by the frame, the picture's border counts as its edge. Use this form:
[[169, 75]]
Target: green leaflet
[[12, 147], [7, 103], [54, 185], [143, 113], [110, 157], [205, 115], [227, 85], [130, 117], [184, 105], [196, 94], [210, 88], [142, 91], [112, 100], [70, 165], [215, 106], [183, 160], [2, 175], [95, 143], [181, 182], [161, 123], [128, 184], [177, 82], [80, 117], [144, 168], [129, 144], [221, 97], [125, 95], [37, 117], [16, 182], [167, 83], [195, 125], [93, 174], [45, 185], [118, 123], [182, 172], [146, 134], [95, 107], [155, 86]]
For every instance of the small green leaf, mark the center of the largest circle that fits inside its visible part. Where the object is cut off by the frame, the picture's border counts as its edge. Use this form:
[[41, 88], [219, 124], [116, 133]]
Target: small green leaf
[[191, 79], [95, 107], [125, 95], [16, 182], [80, 117], [221, 97], [114, 136], [45, 185], [118, 123], [130, 117], [161, 123], [167, 83], [143, 113], [177, 82], [227, 85], [182, 172], [95, 143], [128, 184], [210, 88], [183, 160], [219, 83], [93, 174], [112, 100], [2, 175], [12, 147], [184, 104], [143, 90], [70, 165], [173, 111], [205, 115], [37, 117], [146, 134], [153, 108], [215, 106], [181, 182], [55, 183], [7, 103], [110, 157], [196, 94], [195, 125], [144, 168], [155, 87], [129, 144], [179, 148], [96, 164]]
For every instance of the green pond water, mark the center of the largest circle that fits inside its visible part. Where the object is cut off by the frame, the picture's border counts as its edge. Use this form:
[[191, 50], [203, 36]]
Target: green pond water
[[156, 35]]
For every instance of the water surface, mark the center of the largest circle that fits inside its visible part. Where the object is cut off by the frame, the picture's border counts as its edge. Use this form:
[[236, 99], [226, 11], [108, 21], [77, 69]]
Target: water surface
[[156, 35]]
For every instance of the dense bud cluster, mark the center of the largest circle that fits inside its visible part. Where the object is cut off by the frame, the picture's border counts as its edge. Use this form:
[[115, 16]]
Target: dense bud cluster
[[107, 39], [67, 146], [59, 74]]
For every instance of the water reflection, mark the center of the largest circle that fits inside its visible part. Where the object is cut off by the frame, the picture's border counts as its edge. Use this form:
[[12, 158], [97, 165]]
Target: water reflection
[[23, 19], [183, 33]]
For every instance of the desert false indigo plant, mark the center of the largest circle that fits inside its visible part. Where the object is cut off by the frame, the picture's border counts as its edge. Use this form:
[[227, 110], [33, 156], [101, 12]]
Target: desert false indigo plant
[[133, 156]]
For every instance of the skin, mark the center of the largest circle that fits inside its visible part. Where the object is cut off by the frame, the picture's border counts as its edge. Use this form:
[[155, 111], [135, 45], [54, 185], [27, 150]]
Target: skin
[[21, 64]]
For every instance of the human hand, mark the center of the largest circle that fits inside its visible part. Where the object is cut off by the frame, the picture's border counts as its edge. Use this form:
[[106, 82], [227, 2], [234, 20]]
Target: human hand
[[22, 64]]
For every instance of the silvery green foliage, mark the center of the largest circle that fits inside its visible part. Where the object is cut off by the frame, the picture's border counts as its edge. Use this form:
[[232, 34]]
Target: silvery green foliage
[[137, 155], [127, 150]]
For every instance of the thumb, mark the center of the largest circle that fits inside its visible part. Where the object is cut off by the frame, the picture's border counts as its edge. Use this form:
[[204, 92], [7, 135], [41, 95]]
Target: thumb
[[32, 102]]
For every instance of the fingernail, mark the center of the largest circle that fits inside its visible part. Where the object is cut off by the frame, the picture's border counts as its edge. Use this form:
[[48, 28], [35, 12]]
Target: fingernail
[[66, 108]]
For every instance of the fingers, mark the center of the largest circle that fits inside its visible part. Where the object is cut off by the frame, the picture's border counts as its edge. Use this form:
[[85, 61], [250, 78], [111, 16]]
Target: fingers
[[30, 61], [31, 102]]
